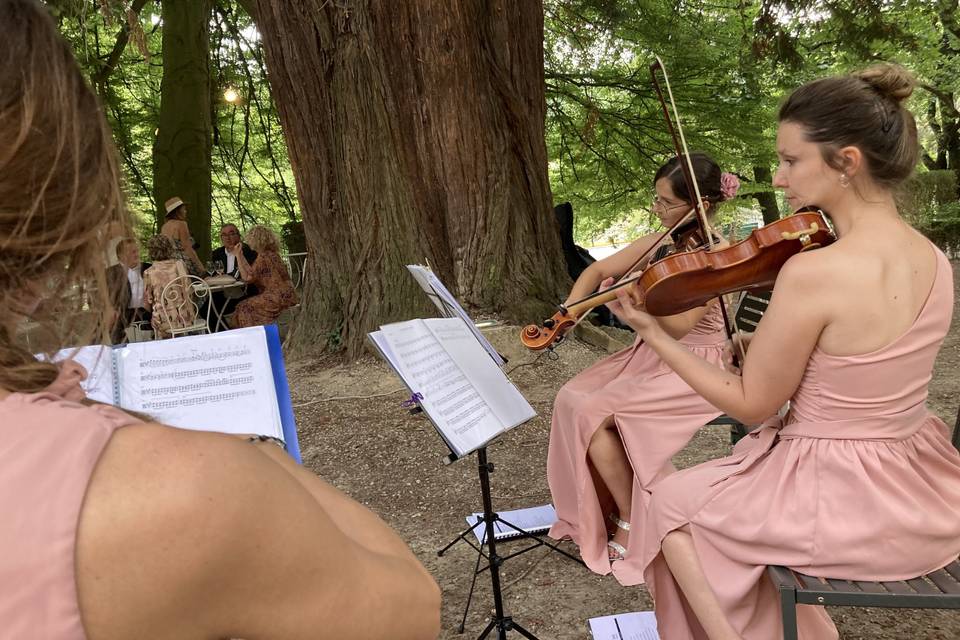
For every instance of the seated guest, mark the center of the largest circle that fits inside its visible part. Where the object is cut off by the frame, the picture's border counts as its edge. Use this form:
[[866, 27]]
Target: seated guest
[[230, 237], [125, 283], [106, 517], [176, 309], [269, 274]]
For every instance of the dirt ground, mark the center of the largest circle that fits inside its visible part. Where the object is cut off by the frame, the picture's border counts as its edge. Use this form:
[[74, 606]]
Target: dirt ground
[[372, 449]]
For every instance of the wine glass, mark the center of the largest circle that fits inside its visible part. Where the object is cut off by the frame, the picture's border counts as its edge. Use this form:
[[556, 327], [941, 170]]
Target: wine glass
[[211, 267], [218, 267]]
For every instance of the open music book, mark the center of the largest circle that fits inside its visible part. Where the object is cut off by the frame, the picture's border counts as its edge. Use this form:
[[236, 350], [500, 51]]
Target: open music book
[[448, 305], [463, 392], [233, 381]]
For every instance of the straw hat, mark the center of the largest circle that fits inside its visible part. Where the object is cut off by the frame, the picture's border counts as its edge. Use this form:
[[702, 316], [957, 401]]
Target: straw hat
[[172, 203]]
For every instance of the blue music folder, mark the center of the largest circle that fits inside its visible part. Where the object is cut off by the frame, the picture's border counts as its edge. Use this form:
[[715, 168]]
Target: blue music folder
[[233, 382]]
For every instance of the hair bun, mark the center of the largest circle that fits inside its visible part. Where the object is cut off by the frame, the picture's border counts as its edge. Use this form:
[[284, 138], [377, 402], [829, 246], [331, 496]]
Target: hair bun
[[889, 80]]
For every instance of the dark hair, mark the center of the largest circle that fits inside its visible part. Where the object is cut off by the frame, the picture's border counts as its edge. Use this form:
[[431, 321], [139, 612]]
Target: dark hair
[[59, 192], [705, 171], [160, 247], [863, 110]]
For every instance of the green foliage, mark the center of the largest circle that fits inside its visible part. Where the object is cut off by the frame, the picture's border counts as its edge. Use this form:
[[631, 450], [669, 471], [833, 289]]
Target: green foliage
[[252, 179], [730, 63]]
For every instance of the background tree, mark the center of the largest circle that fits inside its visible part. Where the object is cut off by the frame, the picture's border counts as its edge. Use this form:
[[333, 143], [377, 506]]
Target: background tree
[[182, 149], [416, 133]]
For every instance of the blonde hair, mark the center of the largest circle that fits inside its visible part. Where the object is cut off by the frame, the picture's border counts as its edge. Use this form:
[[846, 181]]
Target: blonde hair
[[260, 238], [59, 189]]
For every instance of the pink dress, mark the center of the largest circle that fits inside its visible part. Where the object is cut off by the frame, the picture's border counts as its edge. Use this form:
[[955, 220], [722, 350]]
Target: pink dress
[[656, 414], [860, 482], [49, 446]]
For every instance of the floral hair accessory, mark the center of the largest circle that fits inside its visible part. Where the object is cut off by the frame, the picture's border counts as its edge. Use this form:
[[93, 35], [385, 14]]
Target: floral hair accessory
[[729, 185]]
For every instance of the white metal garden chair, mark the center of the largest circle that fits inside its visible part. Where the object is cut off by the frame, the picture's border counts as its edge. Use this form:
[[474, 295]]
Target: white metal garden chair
[[179, 308]]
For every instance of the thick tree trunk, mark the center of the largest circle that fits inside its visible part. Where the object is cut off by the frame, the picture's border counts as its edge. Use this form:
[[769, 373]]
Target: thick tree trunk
[[181, 151], [415, 130], [767, 199]]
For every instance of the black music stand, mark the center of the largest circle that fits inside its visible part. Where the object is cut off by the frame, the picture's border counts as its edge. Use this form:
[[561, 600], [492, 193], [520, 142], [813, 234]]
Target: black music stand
[[500, 621], [449, 307]]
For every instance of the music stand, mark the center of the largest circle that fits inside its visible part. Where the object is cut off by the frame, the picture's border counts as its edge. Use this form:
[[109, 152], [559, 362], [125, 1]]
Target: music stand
[[503, 623]]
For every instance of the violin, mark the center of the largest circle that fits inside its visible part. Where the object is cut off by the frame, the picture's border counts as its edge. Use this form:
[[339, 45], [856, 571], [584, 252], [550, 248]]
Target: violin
[[688, 279]]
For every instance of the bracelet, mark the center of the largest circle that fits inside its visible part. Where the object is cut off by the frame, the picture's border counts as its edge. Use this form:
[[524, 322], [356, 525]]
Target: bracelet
[[277, 441]]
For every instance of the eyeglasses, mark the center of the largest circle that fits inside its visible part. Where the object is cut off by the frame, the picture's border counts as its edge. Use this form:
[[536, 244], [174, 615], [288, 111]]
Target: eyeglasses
[[229, 233], [663, 206]]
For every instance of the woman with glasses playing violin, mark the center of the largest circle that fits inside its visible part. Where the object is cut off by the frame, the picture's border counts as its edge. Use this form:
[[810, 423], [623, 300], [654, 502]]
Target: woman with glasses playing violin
[[617, 424]]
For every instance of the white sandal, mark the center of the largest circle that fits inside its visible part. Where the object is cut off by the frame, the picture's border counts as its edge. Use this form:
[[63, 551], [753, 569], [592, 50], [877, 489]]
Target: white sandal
[[619, 551]]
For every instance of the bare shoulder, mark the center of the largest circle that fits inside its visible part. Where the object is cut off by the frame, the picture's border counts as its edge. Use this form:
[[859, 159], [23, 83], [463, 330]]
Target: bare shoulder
[[202, 535], [167, 514], [806, 272]]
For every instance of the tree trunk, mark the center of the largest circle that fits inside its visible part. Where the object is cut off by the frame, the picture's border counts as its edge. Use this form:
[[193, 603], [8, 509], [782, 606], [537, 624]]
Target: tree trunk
[[416, 132], [766, 199], [181, 151]]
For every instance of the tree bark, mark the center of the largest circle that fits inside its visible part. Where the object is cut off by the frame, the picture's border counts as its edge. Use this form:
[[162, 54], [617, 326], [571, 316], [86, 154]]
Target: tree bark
[[416, 132], [182, 149], [766, 199]]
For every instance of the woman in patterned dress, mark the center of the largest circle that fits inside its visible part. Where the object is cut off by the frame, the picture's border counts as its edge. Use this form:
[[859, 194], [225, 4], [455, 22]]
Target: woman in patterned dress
[[269, 274]]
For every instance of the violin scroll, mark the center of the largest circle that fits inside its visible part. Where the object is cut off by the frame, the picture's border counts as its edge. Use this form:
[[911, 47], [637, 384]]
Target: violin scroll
[[554, 328]]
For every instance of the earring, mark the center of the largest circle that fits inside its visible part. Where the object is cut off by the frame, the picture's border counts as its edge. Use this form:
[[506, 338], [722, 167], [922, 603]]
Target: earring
[[844, 180]]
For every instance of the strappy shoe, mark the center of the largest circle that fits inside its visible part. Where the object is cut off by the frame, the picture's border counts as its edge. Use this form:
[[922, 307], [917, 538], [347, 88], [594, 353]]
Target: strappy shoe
[[615, 550]]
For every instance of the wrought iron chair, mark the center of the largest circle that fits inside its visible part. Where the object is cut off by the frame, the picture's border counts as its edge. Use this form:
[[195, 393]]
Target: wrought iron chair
[[937, 590], [179, 306]]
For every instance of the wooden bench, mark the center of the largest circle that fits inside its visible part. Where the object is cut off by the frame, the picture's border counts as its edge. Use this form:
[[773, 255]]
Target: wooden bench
[[937, 590]]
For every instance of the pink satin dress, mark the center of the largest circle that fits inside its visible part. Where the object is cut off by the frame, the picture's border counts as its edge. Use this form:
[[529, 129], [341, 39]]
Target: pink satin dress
[[859, 482], [49, 447], [656, 414]]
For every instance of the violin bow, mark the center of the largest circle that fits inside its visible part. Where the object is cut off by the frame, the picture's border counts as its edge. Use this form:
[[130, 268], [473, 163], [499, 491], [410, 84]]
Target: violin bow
[[689, 177]]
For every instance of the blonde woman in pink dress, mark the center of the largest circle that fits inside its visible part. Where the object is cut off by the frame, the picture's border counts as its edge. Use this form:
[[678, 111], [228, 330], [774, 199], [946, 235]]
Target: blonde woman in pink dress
[[617, 424], [113, 526], [859, 481]]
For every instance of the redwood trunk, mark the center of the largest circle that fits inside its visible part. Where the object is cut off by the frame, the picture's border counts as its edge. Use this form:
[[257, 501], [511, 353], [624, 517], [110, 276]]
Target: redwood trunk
[[415, 130]]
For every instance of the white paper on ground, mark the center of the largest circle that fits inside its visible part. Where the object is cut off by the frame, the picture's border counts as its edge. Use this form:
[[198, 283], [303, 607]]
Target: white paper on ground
[[640, 625]]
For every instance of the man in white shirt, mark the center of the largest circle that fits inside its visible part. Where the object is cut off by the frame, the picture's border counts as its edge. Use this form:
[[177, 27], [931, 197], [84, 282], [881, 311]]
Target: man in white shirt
[[125, 281]]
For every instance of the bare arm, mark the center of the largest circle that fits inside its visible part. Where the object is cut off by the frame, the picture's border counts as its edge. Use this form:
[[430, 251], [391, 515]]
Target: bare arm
[[779, 349], [613, 266], [202, 535], [244, 267], [676, 326]]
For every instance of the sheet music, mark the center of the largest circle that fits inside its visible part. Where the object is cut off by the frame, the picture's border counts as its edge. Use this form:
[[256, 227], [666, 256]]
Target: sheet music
[[641, 625], [449, 397], [510, 407], [220, 382], [448, 305], [97, 360]]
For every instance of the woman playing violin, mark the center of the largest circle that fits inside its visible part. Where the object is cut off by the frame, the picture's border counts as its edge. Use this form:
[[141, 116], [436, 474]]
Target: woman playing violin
[[617, 424], [859, 481]]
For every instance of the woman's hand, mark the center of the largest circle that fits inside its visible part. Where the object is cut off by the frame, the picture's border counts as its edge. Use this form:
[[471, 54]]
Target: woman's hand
[[738, 345], [628, 306]]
